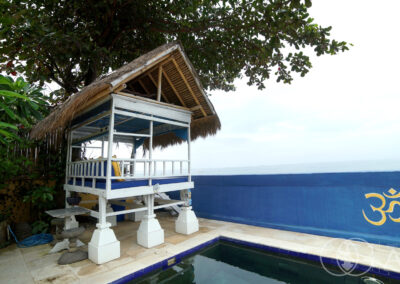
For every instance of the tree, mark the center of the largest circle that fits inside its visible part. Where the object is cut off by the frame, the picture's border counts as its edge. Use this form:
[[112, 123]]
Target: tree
[[72, 42]]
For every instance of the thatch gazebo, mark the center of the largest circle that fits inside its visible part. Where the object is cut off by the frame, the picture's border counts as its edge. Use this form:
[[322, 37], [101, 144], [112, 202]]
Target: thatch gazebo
[[156, 100]]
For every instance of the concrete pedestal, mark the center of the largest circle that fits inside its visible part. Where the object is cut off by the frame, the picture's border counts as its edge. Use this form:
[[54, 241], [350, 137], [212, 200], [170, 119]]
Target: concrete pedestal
[[103, 246], [187, 222], [70, 223], [150, 233]]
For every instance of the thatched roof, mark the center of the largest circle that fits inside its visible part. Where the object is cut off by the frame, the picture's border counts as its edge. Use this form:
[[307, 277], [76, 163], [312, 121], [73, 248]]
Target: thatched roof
[[180, 86]]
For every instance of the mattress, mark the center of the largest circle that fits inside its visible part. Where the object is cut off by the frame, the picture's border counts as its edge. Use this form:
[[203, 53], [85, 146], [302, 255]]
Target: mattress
[[101, 183]]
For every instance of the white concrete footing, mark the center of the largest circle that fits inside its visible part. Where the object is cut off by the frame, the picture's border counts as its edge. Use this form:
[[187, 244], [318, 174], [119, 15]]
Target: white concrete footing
[[150, 233], [103, 246], [187, 222]]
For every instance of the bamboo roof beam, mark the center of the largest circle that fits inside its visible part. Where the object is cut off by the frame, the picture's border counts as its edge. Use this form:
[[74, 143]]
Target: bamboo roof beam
[[188, 86], [144, 87], [159, 83], [120, 88], [149, 71], [195, 108], [173, 88], [155, 84]]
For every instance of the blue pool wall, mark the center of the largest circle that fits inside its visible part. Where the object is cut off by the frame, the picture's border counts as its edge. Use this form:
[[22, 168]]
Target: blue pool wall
[[328, 204]]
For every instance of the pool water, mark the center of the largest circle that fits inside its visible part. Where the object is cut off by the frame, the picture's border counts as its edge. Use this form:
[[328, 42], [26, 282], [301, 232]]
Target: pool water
[[225, 262]]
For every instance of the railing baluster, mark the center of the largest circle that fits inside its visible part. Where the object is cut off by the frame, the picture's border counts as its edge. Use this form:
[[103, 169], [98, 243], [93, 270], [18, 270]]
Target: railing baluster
[[129, 168], [163, 168]]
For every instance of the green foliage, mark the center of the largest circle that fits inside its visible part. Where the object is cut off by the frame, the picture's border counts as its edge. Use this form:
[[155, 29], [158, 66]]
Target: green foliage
[[72, 42], [40, 197], [21, 105], [39, 227]]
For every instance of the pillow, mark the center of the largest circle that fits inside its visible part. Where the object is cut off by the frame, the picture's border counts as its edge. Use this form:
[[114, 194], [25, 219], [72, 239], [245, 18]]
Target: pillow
[[117, 169]]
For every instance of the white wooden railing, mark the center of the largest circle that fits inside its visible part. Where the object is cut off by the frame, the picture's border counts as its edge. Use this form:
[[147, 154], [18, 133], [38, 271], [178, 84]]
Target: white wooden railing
[[130, 169]]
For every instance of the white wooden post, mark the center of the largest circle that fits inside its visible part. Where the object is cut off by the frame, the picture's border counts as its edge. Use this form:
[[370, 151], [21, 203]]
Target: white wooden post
[[102, 146], [133, 156], [69, 158], [150, 151], [150, 233], [189, 156], [69, 154], [110, 146], [104, 246], [102, 210]]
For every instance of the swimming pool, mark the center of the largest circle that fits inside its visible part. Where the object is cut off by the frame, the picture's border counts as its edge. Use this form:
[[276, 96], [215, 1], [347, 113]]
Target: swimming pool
[[227, 261]]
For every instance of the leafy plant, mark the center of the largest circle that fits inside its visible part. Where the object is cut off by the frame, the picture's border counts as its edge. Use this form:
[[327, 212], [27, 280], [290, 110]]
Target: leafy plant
[[39, 227], [41, 197], [21, 105]]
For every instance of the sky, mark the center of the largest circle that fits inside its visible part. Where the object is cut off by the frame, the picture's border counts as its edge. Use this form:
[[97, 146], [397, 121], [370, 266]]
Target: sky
[[342, 116]]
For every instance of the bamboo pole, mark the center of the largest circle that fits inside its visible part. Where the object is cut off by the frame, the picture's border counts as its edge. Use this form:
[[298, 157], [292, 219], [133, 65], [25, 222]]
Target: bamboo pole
[[159, 83]]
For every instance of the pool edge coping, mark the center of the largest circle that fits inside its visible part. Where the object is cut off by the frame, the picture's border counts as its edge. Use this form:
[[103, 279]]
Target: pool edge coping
[[165, 263]]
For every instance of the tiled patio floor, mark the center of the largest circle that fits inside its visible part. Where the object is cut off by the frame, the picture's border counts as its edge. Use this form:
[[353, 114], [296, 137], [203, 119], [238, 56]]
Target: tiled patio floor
[[34, 265]]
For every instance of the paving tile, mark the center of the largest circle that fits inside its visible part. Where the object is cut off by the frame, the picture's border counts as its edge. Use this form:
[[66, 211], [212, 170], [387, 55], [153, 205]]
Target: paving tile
[[34, 264]]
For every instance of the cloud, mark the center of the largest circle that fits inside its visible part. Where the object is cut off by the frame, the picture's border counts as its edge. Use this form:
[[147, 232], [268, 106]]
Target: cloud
[[345, 109]]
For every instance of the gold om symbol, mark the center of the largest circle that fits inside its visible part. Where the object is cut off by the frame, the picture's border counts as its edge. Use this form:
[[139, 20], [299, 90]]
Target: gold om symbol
[[392, 194]]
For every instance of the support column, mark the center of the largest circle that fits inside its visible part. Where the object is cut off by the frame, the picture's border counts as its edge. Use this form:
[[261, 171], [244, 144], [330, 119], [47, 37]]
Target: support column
[[187, 222], [150, 233], [111, 219], [103, 246]]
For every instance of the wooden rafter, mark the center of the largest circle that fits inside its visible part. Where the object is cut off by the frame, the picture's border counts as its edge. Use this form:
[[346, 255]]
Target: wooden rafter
[[155, 84], [120, 88], [173, 88], [144, 86], [149, 71], [159, 83], [195, 108], [188, 86]]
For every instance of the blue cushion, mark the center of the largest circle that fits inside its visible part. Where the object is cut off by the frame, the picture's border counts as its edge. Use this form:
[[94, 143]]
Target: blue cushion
[[101, 184]]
